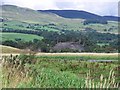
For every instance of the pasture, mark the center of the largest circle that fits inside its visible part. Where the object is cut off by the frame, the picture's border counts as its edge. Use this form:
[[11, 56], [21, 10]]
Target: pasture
[[20, 36]]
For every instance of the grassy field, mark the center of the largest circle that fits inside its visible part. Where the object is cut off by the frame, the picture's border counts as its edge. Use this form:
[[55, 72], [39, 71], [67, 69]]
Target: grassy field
[[8, 49], [57, 70], [66, 25], [23, 37], [34, 72], [105, 28], [60, 56], [79, 56]]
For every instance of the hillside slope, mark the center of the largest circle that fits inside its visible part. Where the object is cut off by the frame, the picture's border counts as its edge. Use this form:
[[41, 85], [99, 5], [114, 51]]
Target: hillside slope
[[28, 15], [19, 18], [8, 49], [80, 14], [73, 14]]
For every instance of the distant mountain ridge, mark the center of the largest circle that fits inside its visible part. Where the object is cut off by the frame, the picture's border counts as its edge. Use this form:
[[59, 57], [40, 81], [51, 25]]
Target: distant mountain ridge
[[112, 18], [74, 14]]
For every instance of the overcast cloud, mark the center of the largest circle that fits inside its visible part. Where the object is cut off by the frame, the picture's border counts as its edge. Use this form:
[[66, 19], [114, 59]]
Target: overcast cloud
[[101, 7]]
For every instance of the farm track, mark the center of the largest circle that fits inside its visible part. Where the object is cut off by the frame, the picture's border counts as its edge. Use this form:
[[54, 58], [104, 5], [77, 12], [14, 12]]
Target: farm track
[[67, 54]]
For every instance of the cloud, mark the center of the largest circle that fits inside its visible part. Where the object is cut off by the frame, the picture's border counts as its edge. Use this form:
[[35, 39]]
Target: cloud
[[101, 7], [76, 1], [33, 4]]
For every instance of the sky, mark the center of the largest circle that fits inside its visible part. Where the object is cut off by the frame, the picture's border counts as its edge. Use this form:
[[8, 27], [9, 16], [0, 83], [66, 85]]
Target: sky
[[100, 7]]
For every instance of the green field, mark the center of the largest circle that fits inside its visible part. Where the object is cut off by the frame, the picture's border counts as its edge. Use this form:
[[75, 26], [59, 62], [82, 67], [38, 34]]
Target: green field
[[79, 58], [23, 37], [111, 27], [59, 72]]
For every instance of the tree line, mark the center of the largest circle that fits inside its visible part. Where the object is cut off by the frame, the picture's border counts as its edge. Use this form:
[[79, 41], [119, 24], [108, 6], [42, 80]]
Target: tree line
[[88, 39]]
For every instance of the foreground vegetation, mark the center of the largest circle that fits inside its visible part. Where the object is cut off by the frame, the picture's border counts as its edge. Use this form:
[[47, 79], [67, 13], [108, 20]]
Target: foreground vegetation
[[29, 71]]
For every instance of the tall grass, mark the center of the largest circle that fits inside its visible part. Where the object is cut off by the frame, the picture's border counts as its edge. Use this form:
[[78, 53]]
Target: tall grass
[[103, 82], [15, 69], [25, 71]]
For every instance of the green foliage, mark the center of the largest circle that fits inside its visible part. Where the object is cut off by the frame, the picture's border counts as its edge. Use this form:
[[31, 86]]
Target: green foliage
[[48, 78], [29, 72], [89, 21], [88, 39]]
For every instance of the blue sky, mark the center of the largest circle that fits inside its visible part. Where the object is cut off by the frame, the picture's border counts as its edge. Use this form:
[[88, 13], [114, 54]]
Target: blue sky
[[100, 7]]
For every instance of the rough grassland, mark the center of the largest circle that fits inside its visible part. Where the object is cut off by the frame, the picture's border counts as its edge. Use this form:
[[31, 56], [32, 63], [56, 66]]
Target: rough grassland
[[27, 71]]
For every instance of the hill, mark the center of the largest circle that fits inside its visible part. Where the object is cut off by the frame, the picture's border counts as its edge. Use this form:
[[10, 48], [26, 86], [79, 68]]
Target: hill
[[19, 18], [80, 14], [73, 14], [112, 18], [12, 12], [8, 49]]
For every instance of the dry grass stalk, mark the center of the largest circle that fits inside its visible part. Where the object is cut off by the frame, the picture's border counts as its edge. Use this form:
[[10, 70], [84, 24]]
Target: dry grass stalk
[[103, 82]]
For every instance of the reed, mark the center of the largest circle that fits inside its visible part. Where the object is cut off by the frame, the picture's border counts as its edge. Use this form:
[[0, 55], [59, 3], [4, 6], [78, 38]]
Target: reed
[[103, 82]]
